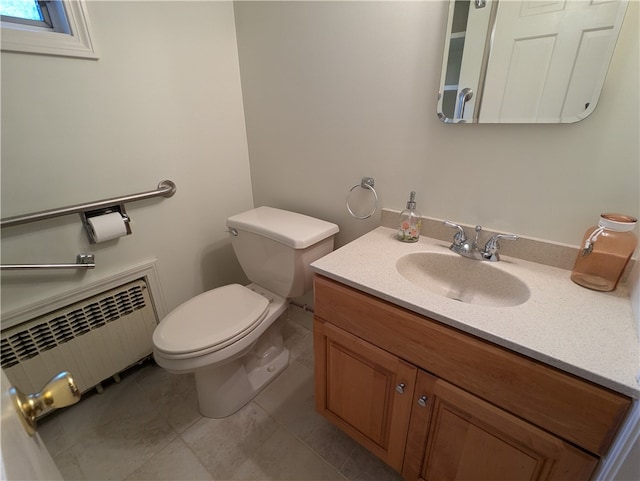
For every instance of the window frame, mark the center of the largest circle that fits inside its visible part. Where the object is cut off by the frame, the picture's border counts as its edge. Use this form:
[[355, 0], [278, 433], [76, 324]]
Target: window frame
[[21, 37]]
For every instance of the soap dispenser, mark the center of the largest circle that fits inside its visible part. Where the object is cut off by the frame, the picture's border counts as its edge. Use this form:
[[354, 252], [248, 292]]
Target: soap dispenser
[[410, 221]]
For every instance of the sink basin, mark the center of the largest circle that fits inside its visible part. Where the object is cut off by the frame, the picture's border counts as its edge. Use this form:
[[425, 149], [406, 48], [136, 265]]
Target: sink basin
[[465, 280]]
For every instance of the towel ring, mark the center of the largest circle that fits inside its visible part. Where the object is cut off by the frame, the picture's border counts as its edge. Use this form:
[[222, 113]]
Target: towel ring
[[366, 183]]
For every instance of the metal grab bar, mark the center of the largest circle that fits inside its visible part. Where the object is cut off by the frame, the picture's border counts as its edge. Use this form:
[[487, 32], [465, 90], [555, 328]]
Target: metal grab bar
[[166, 188], [83, 261]]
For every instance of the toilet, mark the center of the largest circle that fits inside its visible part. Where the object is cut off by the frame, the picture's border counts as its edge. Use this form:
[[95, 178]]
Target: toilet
[[231, 337]]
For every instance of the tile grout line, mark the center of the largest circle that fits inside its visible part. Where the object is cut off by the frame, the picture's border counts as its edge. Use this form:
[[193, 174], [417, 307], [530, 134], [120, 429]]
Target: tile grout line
[[301, 441]]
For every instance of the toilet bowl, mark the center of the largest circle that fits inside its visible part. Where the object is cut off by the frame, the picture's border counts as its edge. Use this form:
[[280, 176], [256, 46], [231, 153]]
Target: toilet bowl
[[231, 337]]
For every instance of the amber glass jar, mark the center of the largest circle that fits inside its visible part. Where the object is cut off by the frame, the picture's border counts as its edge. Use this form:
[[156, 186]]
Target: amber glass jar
[[605, 252]]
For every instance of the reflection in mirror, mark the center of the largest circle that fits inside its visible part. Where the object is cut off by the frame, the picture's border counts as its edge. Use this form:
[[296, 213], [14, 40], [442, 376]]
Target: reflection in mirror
[[537, 61]]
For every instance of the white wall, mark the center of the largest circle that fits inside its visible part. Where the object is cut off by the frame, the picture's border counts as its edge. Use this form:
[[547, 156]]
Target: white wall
[[334, 91], [162, 102]]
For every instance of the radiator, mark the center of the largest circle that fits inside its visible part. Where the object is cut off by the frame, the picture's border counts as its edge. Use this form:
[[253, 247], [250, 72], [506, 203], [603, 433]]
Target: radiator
[[93, 339]]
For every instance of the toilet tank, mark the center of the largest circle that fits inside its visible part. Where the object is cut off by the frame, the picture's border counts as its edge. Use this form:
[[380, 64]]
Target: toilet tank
[[276, 247]]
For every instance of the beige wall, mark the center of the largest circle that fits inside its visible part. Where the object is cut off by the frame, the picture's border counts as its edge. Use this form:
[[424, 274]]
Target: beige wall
[[334, 91], [162, 102]]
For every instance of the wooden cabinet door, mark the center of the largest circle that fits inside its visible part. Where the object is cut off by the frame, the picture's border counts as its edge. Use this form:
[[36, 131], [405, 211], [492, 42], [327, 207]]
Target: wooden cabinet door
[[364, 390], [457, 436]]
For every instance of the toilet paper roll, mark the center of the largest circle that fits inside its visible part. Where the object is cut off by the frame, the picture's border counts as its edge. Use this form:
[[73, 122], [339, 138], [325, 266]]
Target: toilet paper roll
[[107, 227]]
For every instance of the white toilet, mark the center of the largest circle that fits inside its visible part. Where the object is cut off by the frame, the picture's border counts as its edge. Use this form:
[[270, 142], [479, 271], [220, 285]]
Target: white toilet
[[231, 336]]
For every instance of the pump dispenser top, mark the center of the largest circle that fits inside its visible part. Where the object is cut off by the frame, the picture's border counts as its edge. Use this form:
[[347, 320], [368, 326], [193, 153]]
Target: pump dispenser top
[[410, 222]]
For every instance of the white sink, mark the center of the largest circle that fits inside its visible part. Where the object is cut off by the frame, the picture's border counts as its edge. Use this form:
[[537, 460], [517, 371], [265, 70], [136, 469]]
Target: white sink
[[464, 280]]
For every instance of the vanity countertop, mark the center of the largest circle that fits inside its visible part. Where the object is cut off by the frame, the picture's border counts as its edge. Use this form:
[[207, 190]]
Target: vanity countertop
[[587, 333]]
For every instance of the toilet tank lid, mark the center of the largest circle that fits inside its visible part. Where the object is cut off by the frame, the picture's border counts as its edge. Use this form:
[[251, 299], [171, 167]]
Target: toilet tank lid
[[290, 228]]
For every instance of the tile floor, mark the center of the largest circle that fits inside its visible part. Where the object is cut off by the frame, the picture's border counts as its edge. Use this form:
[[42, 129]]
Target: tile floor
[[147, 427]]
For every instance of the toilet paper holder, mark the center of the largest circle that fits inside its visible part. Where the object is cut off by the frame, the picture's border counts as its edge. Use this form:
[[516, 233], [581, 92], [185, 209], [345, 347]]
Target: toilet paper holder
[[86, 215]]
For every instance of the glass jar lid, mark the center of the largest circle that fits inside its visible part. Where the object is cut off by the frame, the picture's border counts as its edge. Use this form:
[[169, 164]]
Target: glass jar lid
[[617, 222]]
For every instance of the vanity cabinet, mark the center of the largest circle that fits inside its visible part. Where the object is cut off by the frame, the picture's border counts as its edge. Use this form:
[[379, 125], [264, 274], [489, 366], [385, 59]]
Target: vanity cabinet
[[438, 404]]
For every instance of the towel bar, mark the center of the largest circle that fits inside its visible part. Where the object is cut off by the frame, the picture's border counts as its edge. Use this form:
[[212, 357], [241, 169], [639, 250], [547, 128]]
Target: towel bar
[[83, 261]]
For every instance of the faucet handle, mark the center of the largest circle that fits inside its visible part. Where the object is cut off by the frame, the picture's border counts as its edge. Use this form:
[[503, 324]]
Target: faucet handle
[[490, 251], [460, 237]]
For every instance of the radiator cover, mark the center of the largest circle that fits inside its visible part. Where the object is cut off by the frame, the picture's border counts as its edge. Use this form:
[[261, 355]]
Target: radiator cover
[[93, 339]]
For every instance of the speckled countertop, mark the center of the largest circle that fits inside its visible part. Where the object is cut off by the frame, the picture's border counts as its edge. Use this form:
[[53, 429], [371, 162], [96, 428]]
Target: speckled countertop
[[587, 333]]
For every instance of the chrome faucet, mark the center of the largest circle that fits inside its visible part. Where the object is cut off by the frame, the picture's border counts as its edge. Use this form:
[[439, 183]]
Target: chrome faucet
[[461, 244]]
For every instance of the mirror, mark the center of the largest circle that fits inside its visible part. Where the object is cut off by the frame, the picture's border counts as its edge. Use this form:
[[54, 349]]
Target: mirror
[[537, 61]]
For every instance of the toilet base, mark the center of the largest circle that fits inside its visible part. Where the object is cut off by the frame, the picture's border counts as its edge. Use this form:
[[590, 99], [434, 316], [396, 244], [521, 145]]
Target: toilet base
[[224, 389]]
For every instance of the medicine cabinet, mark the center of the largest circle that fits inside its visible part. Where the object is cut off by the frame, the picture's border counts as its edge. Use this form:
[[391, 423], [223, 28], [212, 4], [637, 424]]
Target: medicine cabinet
[[526, 61]]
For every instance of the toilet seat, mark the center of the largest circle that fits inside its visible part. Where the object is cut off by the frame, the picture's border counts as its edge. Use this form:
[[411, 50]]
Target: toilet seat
[[210, 321]]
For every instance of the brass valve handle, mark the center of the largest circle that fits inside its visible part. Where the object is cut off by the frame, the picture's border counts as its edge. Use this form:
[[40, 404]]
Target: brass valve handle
[[59, 392]]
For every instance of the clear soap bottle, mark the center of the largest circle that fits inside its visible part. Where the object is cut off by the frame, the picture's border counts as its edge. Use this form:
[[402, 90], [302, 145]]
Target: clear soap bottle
[[410, 221]]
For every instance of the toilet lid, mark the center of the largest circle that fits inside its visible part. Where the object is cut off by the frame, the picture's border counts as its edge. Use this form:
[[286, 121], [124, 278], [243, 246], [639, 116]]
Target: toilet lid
[[211, 320]]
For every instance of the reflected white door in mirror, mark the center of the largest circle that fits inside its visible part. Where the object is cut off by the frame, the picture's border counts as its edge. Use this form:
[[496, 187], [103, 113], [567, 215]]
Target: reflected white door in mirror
[[526, 61]]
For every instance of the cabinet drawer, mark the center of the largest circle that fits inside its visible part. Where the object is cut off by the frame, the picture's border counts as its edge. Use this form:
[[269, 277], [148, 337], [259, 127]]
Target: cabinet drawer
[[576, 410]]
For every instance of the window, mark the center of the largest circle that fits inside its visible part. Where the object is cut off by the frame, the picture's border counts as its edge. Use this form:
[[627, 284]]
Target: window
[[46, 15], [50, 27], [17, 11]]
